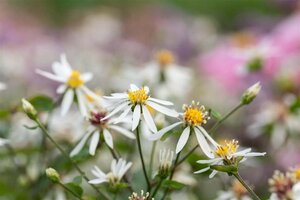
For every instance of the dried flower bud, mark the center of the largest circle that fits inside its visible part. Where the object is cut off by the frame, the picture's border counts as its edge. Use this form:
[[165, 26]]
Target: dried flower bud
[[251, 93], [29, 109], [165, 162]]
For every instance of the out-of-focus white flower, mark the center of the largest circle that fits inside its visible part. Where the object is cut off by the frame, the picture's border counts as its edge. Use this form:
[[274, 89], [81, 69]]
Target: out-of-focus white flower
[[193, 118], [166, 78], [226, 154], [114, 177], [281, 186], [236, 192], [2, 86], [143, 196], [138, 101], [277, 115], [100, 126], [72, 85], [3, 141]]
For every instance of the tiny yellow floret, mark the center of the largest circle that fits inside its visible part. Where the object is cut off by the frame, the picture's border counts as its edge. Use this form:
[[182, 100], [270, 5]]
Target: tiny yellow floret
[[195, 115], [75, 80], [226, 150], [164, 58], [139, 96]]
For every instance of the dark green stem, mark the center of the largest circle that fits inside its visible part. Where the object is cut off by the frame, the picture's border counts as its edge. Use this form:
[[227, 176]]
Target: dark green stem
[[67, 189], [46, 133], [240, 179], [142, 158], [157, 188], [152, 158]]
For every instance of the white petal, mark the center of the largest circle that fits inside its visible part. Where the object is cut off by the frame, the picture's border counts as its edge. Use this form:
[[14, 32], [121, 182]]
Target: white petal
[[61, 89], [125, 169], [209, 161], [121, 95], [122, 131], [162, 109], [208, 136], [133, 87], [60, 70], [136, 117], [242, 153], [117, 109], [80, 145], [149, 120], [82, 102], [122, 116], [202, 170], [254, 154], [86, 77], [98, 172], [94, 143], [203, 144], [65, 63], [214, 172], [108, 138], [97, 181], [183, 139], [51, 76], [67, 101], [3, 141], [160, 133], [163, 102]]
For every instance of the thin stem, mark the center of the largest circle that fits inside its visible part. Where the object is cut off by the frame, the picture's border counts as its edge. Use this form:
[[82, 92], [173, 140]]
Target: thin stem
[[240, 179], [73, 193], [157, 188], [46, 133], [142, 158], [171, 175], [152, 158]]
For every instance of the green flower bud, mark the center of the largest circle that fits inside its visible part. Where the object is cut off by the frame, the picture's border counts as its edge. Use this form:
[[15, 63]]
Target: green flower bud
[[29, 109], [53, 175], [251, 93]]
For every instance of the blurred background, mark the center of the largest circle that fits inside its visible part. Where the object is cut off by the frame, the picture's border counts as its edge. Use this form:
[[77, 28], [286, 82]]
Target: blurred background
[[220, 47]]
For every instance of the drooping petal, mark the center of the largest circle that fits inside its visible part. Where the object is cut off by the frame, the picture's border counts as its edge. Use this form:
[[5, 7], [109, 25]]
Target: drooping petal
[[94, 142], [213, 173], [81, 102], [202, 170], [67, 101], [149, 120], [80, 145], [203, 131], [108, 138], [136, 117], [160, 133], [163, 102], [98, 181], [51, 76], [203, 144], [122, 131], [162, 109], [183, 139]]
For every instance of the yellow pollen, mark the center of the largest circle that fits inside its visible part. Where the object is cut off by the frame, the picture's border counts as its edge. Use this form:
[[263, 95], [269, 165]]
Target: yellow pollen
[[75, 80], [227, 149], [297, 173], [194, 114], [164, 58], [138, 96]]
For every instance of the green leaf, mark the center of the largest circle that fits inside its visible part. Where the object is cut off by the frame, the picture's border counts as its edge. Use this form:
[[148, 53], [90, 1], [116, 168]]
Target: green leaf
[[75, 188], [172, 184], [30, 127], [42, 103], [77, 179], [4, 114]]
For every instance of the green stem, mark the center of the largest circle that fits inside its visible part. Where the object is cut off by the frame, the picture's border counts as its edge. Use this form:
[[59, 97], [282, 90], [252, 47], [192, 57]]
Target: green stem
[[142, 158], [171, 175], [152, 158], [46, 133], [157, 188], [240, 179], [67, 189]]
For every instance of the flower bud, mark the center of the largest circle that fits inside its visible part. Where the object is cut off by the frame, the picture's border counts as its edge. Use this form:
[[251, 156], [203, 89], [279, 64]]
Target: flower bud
[[165, 162], [29, 109], [251, 93], [53, 175]]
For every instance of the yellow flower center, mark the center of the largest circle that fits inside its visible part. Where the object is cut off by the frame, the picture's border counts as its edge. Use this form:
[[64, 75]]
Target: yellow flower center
[[194, 114], [243, 39], [297, 173], [164, 58], [227, 149], [139, 96], [75, 80]]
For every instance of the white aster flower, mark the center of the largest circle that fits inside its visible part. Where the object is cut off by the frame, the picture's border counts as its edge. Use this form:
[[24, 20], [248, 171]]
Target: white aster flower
[[193, 118], [3, 141], [99, 126], [72, 85], [226, 154], [138, 101], [2, 86], [114, 177]]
